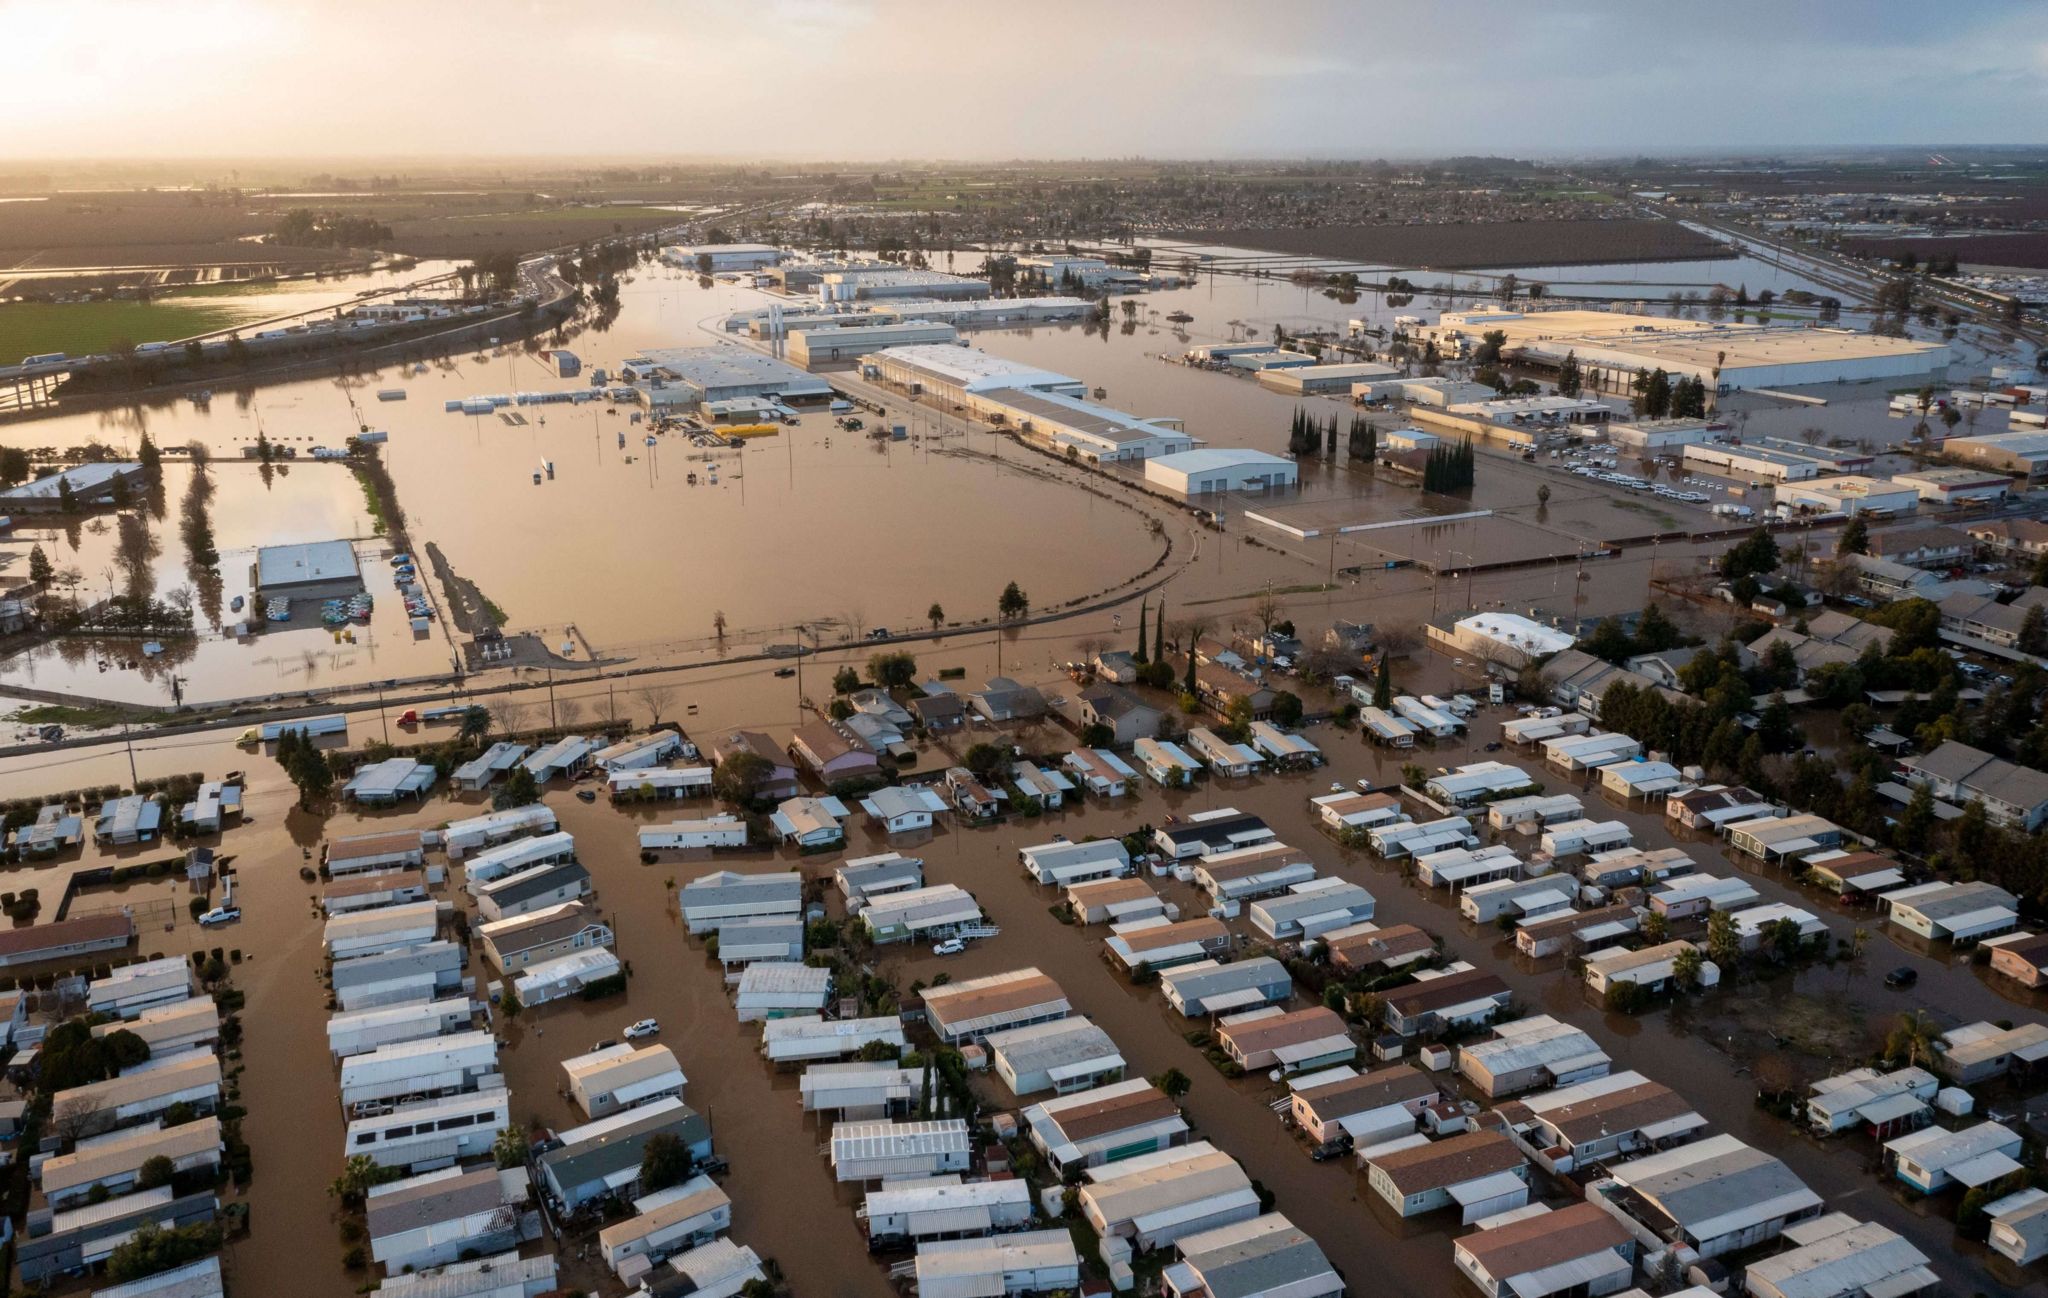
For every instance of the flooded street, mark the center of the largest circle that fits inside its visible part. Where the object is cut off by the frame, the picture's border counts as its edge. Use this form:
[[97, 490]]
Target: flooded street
[[786, 1205]]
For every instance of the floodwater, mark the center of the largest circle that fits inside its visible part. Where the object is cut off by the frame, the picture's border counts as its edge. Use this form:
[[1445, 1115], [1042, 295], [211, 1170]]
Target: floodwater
[[786, 1205], [812, 527]]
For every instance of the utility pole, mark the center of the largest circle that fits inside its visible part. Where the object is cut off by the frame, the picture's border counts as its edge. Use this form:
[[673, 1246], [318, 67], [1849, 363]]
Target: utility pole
[[553, 721]]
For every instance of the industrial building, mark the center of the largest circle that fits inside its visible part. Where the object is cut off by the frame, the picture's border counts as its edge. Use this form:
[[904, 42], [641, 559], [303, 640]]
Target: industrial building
[[1725, 356], [1751, 463], [814, 345], [1847, 495], [2022, 453], [91, 484], [1954, 486], [315, 570], [868, 283], [716, 257], [1217, 469], [723, 373], [1085, 428], [957, 374], [1311, 380]]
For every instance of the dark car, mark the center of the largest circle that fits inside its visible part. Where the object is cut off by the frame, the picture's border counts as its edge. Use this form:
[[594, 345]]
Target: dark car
[[586, 795], [1903, 976]]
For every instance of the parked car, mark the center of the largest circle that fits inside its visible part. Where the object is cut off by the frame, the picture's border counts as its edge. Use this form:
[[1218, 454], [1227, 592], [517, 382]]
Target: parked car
[[644, 1028], [785, 672], [1903, 976], [951, 946], [220, 915], [586, 795]]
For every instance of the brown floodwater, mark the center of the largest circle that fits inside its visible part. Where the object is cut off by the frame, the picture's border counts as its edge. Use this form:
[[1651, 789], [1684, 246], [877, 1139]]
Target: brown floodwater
[[786, 1205]]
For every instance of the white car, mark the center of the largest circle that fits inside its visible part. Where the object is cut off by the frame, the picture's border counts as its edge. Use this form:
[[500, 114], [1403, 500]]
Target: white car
[[951, 946], [220, 915], [644, 1028]]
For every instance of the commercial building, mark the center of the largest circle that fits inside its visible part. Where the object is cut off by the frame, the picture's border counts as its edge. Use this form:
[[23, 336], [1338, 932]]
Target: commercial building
[[1952, 487], [1507, 638], [958, 374], [1480, 1171], [716, 257], [91, 484], [721, 373], [1725, 356], [1263, 1257], [2021, 453], [1218, 469], [1847, 495], [811, 346], [1310, 380], [1713, 1196], [1538, 1051], [1105, 1124], [1088, 430], [869, 283], [315, 570], [1751, 463], [1578, 1250]]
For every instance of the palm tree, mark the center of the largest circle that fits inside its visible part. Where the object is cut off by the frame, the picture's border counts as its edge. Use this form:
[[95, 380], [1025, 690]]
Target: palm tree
[[937, 615], [1913, 1036], [1685, 967]]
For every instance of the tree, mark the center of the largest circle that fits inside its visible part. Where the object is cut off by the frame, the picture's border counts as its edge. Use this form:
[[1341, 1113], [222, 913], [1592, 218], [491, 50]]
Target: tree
[[739, 777], [1174, 1084], [476, 722], [75, 1117], [1140, 652], [1686, 968], [1383, 684], [67, 500], [656, 699], [1159, 633], [1655, 632], [152, 1249], [15, 466], [154, 1172], [1656, 929], [936, 615], [986, 761], [1287, 708], [1267, 608], [1752, 557], [1912, 1038], [845, 681], [892, 671], [1724, 942], [305, 766], [1855, 538], [2034, 631], [150, 458], [1013, 603], [39, 569], [509, 1149], [1568, 378], [664, 1161], [520, 790], [1916, 825], [1610, 641]]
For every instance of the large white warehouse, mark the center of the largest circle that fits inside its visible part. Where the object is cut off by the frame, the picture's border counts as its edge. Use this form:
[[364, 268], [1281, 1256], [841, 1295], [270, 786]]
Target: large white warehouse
[[1215, 468]]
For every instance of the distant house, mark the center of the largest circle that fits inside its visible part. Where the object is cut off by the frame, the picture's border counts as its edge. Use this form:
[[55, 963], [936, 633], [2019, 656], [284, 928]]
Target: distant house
[[833, 754], [1264, 1257], [811, 823], [1955, 772], [1004, 699], [939, 711], [779, 779], [1481, 1172], [1100, 771], [971, 798], [902, 809], [1219, 689], [1574, 1250], [2022, 957], [1116, 665], [1128, 717]]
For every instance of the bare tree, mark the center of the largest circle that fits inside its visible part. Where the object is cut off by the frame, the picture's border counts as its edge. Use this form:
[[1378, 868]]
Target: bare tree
[[1267, 608], [718, 625], [1398, 641], [76, 1117], [657, 699], [1091, 647], [568, 711], [507, 714]]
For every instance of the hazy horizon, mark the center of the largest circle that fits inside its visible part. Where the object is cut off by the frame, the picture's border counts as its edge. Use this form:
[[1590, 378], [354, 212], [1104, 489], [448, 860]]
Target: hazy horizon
[[867, 81]]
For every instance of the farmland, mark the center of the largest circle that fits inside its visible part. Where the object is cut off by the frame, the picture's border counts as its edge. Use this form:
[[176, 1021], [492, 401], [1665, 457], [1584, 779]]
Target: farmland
[[83, 328], [1479, 246], [2023, 249]]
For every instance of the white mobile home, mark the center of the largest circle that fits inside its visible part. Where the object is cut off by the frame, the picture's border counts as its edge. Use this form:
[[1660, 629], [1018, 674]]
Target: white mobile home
[[876, 1151], [722, 830]]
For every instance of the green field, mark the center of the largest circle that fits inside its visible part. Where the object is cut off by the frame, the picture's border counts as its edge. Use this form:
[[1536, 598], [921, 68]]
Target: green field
[[87, 328], [570, 215]]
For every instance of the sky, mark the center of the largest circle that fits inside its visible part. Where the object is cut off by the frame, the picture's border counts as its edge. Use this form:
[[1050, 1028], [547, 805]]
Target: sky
[[861, 80]]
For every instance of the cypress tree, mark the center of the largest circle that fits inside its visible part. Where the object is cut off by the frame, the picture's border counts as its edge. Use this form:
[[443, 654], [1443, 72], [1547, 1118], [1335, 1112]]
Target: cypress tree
[[1140, 655], [1383, 685], [1159, 633]]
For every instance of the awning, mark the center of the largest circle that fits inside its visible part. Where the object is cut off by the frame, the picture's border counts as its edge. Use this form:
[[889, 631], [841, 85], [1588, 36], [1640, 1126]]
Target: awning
[[633, 1092], [1495, 1186], [1984, 1169], [970, 1220], [1891, 1108], [1242, 999]]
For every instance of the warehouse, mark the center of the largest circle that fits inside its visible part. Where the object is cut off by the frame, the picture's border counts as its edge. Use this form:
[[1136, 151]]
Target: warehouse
[[943, 1207], [1311, 380], [1094, 432], [958, 374], [868, 283], [315, 570], [1105, 1125], [1063, 1056], [716, 257], [1725, 356], [811, 346], [1847, 495], [1751, 463], [1154, 1199], [2025, 454], [722, 373], [91, 484], [875, 1151], [1217, 469], [1953, 487]]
